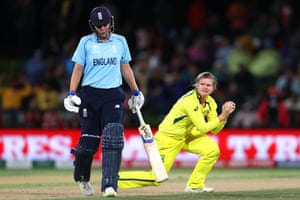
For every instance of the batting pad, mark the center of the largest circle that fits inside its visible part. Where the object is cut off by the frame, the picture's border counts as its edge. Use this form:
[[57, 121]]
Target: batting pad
[[112, 146]]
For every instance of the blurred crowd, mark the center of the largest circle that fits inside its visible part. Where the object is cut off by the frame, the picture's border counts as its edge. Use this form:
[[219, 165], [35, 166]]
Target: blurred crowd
[[252, 47]]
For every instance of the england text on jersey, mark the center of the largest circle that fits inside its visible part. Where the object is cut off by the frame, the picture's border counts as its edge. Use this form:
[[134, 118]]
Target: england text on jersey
[[105, 61]]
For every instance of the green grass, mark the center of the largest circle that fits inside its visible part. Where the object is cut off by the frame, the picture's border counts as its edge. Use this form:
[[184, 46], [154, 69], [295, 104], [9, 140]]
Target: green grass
[[254, 173], [289, 194], [178, 175], [35, 172]]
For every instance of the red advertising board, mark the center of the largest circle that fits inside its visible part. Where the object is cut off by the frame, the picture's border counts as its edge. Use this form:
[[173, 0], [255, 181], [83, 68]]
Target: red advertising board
[[239, 147]]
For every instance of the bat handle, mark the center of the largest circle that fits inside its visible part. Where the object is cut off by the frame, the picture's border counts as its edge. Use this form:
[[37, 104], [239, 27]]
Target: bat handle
[[140, 116]]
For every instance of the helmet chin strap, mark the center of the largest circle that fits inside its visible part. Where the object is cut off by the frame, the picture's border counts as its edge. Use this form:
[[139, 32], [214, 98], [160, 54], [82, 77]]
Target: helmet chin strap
[[112, 24], [91, 26]]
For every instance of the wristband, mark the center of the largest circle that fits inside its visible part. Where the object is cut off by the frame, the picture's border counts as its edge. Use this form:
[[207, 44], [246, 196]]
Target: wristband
[[72, 93], [135, 92]]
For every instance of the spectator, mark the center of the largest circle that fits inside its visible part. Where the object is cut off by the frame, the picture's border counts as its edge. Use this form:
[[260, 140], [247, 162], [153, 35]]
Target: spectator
[[222, 50], [293, 105], [245, 80], [235, 93], [239, 54], [175, 87], [189, 73], [198, 52], [220, 71], [238, 17], [246, 117], [272, 112], [12, 99], [35, 67], [157, 96], [52, 120], [47, 97], [58, 37], [286, 14], [142, 71], [144, 39], [33, 116], [288, 83], [66, 60], [267, 62], [266, 34], [197, 14]]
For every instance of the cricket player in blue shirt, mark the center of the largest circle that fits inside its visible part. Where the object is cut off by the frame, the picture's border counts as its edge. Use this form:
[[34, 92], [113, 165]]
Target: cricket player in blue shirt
[[101, 60]]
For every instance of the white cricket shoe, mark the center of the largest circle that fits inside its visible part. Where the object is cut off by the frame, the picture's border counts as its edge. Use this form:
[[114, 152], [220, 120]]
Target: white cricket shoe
[[198, 190], [86, 188], [109, 192]]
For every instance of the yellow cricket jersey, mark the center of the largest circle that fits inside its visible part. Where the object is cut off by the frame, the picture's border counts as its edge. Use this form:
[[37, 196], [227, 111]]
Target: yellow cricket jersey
[[189, 116]]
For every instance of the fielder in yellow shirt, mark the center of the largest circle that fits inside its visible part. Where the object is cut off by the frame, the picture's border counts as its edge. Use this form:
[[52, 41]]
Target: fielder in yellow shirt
[[184, 129]]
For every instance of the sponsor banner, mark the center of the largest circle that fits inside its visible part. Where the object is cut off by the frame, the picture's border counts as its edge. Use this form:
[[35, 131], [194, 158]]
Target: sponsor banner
[[239, 148]]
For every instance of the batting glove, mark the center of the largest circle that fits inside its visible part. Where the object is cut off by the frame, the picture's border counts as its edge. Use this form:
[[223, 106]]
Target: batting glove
[[136, 100], [72, 102]]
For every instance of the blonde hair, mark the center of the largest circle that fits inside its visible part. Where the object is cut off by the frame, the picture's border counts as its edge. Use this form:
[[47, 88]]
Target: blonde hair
[[206, 75]]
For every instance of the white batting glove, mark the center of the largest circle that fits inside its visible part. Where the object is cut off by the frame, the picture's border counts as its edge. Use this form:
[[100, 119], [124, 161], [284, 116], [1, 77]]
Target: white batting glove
[[72, 102], [136, 100]]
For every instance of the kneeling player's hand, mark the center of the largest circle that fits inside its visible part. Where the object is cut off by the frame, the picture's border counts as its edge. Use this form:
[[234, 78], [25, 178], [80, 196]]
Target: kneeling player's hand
[[228, 107], [72, 102]]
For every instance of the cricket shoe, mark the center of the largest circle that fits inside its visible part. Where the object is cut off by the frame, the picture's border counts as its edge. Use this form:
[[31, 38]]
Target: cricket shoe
[[199, 190], [86, 188], [109, 192]]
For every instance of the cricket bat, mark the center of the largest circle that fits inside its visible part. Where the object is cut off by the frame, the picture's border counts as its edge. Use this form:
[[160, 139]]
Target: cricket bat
[[151, 149]]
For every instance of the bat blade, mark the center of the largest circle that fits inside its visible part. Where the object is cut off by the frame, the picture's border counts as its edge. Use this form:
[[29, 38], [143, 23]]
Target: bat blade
[[153, 154], [156, 162]]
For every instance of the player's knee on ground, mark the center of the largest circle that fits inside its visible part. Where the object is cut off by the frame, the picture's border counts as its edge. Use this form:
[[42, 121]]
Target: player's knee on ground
[[137, 179], [112, 146], [86, 148]]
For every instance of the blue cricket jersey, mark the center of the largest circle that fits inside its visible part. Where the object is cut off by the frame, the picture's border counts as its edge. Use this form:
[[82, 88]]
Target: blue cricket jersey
[[102, 60]]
